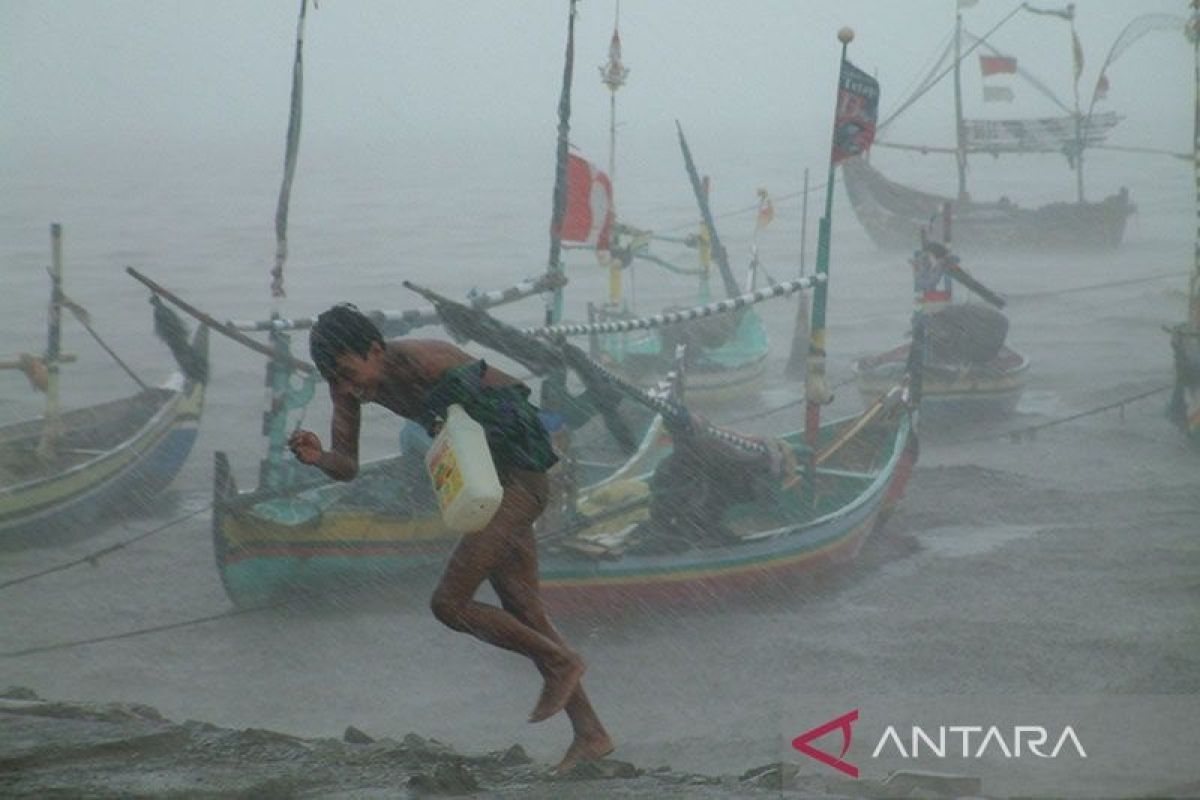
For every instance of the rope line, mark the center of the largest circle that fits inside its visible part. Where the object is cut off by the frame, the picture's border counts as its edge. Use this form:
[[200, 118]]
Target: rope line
[[49, 648], [92, 558], [1029, 431], [752, 209], [790, 404], [1107, 285]]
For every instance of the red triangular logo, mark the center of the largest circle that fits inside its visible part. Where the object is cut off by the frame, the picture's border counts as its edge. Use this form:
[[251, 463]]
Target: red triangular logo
[[843, 723]]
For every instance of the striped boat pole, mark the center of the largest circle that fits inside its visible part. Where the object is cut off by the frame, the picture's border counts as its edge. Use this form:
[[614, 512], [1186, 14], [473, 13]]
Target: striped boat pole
[[684, 315]]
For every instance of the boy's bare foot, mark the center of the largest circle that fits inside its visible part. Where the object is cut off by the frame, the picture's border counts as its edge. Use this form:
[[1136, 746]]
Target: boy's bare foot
[[561, 679], [585, 748]]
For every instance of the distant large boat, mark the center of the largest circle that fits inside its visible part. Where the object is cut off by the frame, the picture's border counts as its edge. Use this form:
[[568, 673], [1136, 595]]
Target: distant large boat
[[891, 212]]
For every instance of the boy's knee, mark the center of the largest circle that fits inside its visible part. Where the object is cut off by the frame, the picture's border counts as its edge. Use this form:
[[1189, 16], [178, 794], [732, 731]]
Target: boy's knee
[[447, 609]]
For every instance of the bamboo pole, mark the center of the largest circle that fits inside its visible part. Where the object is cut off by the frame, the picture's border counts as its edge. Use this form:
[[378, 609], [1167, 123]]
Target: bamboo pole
[[215, 324], [795, 365], [558, 207], [816, 392], [52, 420], [1194, 288]]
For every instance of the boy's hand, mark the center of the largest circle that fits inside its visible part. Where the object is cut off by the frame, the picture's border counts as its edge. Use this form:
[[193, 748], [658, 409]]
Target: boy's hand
[[305, 446]]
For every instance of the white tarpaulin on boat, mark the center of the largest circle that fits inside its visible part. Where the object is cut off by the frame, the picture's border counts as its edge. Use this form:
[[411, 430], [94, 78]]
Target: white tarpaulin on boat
[[1049, 134]]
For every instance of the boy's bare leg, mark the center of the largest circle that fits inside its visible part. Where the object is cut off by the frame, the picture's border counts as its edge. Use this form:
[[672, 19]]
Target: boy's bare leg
[[516, 584], [481, 554]]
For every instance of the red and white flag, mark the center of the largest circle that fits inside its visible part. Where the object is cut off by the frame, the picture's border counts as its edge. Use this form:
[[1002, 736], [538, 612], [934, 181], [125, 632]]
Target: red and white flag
[[997, 65], [589, 213]]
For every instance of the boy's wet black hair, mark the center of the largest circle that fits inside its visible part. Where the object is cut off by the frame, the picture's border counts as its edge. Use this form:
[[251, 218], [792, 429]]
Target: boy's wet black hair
[[341, 329]]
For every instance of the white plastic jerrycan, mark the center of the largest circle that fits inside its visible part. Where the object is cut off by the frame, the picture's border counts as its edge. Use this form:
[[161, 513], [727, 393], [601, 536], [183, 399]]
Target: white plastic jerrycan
[[464, 478]]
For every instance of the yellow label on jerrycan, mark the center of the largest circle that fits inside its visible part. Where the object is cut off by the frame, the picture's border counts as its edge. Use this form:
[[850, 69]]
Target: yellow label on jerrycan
[[463, 474]]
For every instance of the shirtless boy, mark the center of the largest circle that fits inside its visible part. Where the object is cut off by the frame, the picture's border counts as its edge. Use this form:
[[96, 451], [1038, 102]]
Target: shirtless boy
[[418, 379]]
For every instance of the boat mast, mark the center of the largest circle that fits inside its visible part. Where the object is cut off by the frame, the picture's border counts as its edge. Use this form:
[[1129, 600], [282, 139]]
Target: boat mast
[[51, 421], [289, 164], [1077, 68], [960, 149], [554, 301], [816, 391], [612, 75], [1193, 31], [278, 470]]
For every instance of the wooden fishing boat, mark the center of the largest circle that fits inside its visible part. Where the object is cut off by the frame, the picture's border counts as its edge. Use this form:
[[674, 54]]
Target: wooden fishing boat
[[112, 458], [890, 211], [332, 538], [951, 392], [968, 371], [64, 473]]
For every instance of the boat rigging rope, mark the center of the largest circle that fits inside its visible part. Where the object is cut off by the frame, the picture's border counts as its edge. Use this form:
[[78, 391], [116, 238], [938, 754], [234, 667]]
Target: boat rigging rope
[[790, 404], [1108, 285], [1028, 432], [668, 266], [112, 637], [750, 209], [92, 558]]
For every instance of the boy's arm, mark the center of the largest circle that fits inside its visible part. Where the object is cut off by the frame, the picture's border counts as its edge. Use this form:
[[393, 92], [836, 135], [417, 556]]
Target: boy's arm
[[340, 461]]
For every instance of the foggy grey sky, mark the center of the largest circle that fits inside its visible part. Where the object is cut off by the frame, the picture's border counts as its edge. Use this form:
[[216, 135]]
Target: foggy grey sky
[[132, 70]]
